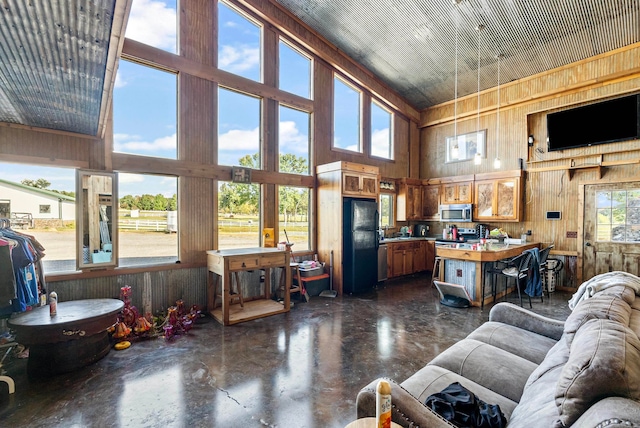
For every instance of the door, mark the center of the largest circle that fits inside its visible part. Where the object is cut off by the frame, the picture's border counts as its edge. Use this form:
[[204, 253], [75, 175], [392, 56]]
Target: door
[[611, 229]]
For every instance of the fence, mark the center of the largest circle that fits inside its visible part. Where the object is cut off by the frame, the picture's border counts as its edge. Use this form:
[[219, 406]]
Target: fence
[[148, 225]]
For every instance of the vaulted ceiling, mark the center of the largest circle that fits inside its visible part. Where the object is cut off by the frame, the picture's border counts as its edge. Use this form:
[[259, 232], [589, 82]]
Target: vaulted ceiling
[[411, 44], [57, 57]]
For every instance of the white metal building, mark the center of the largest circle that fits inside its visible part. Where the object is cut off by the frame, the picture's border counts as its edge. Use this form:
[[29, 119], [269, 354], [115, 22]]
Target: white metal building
[[17, 199]]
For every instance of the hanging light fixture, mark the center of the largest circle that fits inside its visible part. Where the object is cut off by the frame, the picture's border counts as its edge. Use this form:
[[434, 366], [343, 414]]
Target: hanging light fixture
[[477, 159], [455, 151], [496, 161]]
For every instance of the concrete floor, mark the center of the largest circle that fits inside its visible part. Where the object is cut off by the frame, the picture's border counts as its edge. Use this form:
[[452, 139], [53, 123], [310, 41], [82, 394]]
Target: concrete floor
[[300, 369]]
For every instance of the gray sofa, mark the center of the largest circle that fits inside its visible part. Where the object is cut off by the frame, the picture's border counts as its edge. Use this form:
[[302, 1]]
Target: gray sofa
[[583, 372]]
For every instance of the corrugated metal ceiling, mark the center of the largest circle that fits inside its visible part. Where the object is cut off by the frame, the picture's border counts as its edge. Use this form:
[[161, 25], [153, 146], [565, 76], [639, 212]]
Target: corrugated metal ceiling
[[53, 57], [410, 44]]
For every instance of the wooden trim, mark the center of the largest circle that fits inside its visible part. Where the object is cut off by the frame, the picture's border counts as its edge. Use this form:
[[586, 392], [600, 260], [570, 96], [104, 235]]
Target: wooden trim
[[48, 131], [36, 160], [498, 175], [149, 55]]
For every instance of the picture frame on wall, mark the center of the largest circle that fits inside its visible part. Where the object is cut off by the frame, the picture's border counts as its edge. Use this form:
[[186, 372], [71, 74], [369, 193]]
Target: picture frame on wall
[[465, 146]]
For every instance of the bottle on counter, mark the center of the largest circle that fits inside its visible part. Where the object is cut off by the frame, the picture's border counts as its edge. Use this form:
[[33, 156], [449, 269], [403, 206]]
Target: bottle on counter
[[454, 232], [53, 303], [383, 405]]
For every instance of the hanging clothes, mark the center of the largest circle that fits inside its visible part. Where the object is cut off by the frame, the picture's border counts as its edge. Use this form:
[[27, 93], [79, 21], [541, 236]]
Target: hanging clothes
[[20, 270]]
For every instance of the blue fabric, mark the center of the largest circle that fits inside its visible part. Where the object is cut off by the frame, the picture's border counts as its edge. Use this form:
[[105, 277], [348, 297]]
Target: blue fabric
[[534, 281]]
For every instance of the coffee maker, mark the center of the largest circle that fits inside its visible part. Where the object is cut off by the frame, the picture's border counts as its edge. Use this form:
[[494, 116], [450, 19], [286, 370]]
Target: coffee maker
[[420, 230]]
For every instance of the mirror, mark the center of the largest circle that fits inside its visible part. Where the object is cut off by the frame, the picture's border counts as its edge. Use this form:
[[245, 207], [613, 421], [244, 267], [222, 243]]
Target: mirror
[[96, 219]]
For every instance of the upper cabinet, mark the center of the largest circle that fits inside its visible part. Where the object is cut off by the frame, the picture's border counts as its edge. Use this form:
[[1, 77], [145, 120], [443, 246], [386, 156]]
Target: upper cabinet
[[409, 200], [360, 184], [498, 196], [353, 179], [431, 202], [457, 193]]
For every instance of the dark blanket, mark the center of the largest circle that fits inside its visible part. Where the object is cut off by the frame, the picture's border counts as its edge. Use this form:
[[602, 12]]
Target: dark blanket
[[534, 281], [462, 408]]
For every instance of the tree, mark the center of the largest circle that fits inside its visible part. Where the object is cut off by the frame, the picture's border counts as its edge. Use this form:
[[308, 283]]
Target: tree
[[40, 183]]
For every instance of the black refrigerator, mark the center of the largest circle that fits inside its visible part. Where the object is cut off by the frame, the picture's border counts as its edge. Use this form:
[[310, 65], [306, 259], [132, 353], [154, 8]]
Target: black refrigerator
[[360, 245]]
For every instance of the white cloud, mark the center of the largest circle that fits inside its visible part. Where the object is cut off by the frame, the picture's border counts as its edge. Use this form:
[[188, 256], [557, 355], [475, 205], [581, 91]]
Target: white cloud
[[291, 137], [124, 177], [238, 139], [238, 59], [153, 23], [380, 143], [119, 82], [126, 143]]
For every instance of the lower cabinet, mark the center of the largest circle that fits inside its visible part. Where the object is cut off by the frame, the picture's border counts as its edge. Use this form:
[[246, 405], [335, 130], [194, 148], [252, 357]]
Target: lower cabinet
[[405, 258]]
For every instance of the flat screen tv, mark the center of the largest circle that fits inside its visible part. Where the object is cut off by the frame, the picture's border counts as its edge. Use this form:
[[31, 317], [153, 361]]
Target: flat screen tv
[[604, 122]]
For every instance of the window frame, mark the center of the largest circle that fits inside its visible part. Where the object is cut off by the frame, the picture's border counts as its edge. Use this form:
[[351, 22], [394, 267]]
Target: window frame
[[391, 141]]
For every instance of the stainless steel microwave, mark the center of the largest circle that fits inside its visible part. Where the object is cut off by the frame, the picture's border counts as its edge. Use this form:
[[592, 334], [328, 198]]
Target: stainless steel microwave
[[459, 213]]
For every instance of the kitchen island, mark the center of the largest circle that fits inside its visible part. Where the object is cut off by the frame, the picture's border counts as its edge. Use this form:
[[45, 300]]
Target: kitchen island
[[467, 267]]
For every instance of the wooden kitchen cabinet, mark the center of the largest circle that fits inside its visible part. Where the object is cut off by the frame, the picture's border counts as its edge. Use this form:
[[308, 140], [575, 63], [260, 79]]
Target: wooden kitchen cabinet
[[430, 255], [431, 202], [499, 197], [405, 258], [363, 185], [419, 257], [409, 200], [457, 193]]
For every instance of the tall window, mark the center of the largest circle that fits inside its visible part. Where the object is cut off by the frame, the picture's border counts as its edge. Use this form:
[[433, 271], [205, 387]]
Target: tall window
[[24, 191], [618, 216], [154, 22], [346, 116], [238, 129], [293, 141], [147, 219], [239, 43], [144, 111], [238, 215], [386, 210], [293, 209], [381, 135], [295, 71]]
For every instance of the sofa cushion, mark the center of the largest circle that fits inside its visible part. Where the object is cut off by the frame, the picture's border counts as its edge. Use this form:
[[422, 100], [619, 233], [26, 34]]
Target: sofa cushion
[[604, 361], [603, 305], [491, 367], [523, 343], [433, 379]]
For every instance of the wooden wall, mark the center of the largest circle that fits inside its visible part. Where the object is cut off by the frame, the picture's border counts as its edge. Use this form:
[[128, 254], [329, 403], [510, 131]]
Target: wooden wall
[[552, 178]]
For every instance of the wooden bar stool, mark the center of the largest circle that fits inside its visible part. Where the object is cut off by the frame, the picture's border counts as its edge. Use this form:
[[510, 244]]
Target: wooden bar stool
[[233, 294]]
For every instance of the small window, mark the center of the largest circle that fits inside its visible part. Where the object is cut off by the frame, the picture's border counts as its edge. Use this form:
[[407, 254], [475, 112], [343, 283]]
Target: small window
[[154, 22], [346, 116], [381, 131], [45, 209], [238, 215], [293, 141], [618, 214], [144, 111], [293, 216], [238, 129], [295, 71], [147, 219], [239, 43], [386, 210]]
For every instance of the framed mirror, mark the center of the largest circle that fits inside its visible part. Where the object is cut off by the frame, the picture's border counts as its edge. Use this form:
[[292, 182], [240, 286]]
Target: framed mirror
[[96, 219]]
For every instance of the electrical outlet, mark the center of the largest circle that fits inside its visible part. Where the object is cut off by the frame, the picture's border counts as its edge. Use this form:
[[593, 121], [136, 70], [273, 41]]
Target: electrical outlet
[[529, 232]]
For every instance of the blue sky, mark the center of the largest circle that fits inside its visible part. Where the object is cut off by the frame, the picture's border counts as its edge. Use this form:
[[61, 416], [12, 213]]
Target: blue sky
[[145, 115]]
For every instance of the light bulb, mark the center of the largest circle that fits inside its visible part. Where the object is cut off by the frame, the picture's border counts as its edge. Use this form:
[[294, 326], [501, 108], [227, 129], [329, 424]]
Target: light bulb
[[455, 152], [477, 159], [496, 163]]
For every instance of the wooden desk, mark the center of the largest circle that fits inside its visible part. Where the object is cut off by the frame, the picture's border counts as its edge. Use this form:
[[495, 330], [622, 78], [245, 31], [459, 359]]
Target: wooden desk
[[468, 267], [225, 262], [74, 338]]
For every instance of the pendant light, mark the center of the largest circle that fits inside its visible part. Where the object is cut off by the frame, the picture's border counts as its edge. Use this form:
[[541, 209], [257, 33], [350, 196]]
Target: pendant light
[[496, 161], [455, 150], [477, 159]]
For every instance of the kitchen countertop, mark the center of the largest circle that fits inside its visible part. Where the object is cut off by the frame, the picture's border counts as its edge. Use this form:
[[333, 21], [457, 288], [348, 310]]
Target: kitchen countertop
[[408, 239]]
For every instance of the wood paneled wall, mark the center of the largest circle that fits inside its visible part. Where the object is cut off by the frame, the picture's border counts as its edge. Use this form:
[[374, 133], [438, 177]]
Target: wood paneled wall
[[550, 185]]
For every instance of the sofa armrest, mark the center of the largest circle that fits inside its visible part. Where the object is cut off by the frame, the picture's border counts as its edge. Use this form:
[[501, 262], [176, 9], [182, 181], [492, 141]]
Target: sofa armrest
[[407, 410], [612, 412], [514, 315]]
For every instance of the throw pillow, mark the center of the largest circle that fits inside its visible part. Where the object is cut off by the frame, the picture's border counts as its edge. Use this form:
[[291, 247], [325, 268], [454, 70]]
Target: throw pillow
[[604, 361], [600, 306]]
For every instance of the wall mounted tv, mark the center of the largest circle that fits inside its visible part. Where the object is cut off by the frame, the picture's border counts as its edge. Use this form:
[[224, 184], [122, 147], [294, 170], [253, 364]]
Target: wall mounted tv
[[605, 122]]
